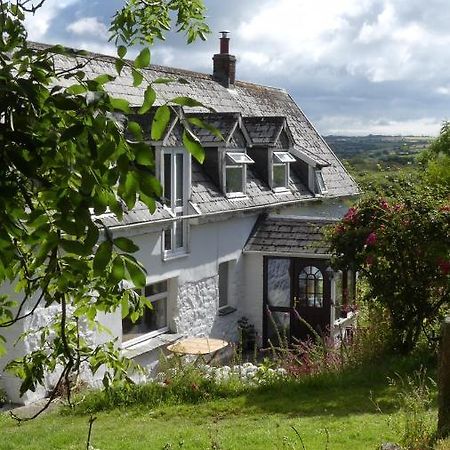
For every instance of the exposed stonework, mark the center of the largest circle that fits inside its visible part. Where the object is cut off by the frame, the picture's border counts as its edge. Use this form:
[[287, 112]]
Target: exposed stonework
[[197, 311]]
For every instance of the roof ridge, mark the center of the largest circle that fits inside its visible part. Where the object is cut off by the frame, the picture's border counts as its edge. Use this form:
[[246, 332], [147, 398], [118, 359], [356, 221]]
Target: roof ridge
[[156, 67]]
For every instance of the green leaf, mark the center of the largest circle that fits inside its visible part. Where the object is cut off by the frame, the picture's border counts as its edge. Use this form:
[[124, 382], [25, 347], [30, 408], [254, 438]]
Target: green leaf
[[121, 51], [193, 146], [119, 63], [148, 201], [160, 122], [202, 124], [118, 269], [74, 247], [126, 245], [72, 132], [104, 78], [149, 99], [125, 306], [76, 89], [143, 59], [143, 154], [120, 104], [135, 128], [102, 257], [136, 272], [137, 77], [187, 101]]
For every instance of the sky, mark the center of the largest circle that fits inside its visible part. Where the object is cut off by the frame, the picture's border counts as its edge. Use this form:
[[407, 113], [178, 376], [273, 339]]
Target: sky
[[355, 67]]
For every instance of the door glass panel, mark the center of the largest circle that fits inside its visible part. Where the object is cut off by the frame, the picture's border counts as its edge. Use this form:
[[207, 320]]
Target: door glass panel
[[279, 282], [179, 180], [278, 327], [310, 287]]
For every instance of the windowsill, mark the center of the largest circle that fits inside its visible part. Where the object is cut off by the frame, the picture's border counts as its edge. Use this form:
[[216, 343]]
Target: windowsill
[[225, 310], [236, 196], [150, 344], [170, 256], [280, 190]]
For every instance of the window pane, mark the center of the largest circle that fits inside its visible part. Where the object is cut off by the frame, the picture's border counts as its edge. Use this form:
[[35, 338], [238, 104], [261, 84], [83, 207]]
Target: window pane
[[168, 178], [278, 327], [168, 239], [155, 288], [223, 284], [279, 282], [283, 157], [310, 287], [234, 179], [179, 192], [156, 318], [279, 175], [239, 158], [320, 182], [179, 234]]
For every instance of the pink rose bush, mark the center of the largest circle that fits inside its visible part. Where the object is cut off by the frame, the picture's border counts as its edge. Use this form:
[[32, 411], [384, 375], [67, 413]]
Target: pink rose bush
[[402, 248]]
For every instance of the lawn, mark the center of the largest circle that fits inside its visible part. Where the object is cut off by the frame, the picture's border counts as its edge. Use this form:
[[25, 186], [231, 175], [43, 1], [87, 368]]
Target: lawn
[[356, 410]]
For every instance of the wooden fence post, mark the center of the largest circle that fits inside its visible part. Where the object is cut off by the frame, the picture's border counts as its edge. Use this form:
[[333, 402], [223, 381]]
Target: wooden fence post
[[444, 381]]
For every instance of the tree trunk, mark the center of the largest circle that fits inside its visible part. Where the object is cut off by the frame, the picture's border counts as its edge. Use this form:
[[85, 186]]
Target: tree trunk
[[444, 381]]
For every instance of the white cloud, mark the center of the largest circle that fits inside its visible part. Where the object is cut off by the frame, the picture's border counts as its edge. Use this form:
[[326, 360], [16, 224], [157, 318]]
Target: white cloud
[[38, 24], [349, 125], [90, 26]]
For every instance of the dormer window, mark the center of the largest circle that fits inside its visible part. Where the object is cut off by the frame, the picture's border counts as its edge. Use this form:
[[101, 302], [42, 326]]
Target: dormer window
[[235, 175], [280, 170], [320, 186]]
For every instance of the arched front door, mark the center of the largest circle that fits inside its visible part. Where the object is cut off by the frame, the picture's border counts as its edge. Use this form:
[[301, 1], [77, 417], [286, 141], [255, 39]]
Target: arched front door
[[312, 298], [297, 296]]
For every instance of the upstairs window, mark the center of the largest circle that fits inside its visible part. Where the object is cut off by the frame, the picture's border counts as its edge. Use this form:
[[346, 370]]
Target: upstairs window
[[280, 170], [236, 172], [320, 186], [153, 321], [175, 196]]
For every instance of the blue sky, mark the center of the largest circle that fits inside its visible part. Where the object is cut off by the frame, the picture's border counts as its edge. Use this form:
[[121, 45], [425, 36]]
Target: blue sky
[[354, 66]]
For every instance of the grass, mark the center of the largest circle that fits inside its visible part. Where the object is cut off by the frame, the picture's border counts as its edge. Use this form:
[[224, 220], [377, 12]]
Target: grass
[[357, 409]]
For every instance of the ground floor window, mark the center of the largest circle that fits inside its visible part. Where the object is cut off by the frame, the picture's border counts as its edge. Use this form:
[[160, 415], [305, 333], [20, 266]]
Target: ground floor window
[[154, 320]]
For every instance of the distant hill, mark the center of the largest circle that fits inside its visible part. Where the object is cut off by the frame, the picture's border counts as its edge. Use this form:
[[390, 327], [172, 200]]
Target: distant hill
[[348, 146], [375, 152]]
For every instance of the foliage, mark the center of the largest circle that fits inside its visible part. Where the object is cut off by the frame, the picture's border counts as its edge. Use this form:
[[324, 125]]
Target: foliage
[[402, 248], [416, 397], [66, 152]]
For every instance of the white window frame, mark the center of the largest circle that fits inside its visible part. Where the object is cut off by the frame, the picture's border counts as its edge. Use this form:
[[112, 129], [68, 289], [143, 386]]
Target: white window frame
[[319, 182], [153, 333], [281, 159], [234, 156], [176, 210]]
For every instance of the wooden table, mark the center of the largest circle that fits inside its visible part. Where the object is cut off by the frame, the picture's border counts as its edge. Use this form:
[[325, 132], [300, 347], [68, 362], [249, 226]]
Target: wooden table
[[200, 346]]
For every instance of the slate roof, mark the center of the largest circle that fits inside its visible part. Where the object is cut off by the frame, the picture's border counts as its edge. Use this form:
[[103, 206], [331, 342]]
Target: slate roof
[[245, 98], [225, 122], [264, 130], [289, 236]]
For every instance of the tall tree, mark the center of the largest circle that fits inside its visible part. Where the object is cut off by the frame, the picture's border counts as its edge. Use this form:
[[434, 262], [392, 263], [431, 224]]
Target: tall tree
[[66, 156]]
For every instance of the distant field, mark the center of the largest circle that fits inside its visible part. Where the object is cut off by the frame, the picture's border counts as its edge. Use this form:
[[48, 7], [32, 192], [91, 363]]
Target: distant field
[[374, 151]]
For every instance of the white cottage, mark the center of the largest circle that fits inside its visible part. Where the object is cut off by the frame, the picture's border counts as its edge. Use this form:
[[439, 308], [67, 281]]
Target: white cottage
[[240, 235]]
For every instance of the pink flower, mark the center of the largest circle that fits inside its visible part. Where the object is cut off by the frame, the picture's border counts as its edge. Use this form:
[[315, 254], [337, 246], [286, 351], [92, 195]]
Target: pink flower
[[398, 206], [384, 204], [371, 239], [351, 215], [445, 208], [444, 265]]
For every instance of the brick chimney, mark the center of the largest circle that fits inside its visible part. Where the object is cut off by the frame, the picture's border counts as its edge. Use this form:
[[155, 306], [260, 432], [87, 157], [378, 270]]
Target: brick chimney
[[225, 64]]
